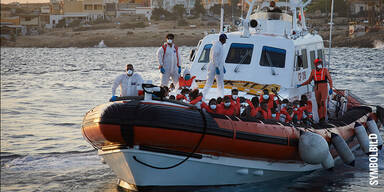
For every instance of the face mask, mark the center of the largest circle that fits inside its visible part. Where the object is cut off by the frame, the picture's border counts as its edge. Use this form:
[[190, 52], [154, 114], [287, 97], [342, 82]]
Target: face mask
[[275, 98], [169, 41], [283, 105], [227, 104], [298, 106], [319, 66], [129, 72], [295, 109], [235, 96], [213, 107], [187, 96], [187, 77], [265, 96], [273, 115]]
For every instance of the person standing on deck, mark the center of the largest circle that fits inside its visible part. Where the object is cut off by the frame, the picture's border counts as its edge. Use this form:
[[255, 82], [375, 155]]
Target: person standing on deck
[[169, 61], [321, 77], [216, 66], [130, 83]]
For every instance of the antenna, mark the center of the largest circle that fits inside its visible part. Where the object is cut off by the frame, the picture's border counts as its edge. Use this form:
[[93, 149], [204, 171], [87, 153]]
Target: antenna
[[222, 16], [330, 35]]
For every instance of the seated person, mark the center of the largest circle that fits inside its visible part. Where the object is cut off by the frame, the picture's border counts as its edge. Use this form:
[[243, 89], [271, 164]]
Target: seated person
[[219, 100], [196, 98], [236, 100], [306, 105], [275, 114], [227, 107], [186, 81], [265, 111], [253, 106], [298, 114], [273, 8], [211, 107], [184, 95], [268, 98]]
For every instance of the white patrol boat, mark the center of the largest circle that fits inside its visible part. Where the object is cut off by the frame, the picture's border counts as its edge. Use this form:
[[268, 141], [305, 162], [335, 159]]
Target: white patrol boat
[[152, 142]]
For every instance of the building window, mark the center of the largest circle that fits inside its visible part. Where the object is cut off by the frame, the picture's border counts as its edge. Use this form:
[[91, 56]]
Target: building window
[[88, 7], [97, 7], [272, 57], [204, 57], [239, 53]]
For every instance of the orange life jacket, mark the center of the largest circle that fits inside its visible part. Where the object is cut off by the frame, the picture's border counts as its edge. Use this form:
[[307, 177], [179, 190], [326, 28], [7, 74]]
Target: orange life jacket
[[186, 83], [177, 53], [320, 76]]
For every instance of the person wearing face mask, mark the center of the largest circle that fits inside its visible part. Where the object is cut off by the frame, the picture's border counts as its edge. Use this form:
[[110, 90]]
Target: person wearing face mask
[[226, 107], [306, 106], [183, 96], [211, 107], [321, 77], [169, 61], [297, 111], [269, 98], [275, 114], [196, 98], [265, 111], [216, 66], [129, 82], [253, 106], [235, 100], [284, 115], [186, 81]]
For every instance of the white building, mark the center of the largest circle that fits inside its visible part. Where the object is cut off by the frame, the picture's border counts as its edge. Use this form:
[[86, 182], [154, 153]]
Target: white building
[[169, 4]]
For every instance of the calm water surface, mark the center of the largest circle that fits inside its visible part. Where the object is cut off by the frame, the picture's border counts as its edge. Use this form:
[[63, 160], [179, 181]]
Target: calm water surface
[[46, 92]]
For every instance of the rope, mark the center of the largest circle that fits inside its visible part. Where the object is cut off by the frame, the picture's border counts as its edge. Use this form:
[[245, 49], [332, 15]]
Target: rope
[[188, 156]]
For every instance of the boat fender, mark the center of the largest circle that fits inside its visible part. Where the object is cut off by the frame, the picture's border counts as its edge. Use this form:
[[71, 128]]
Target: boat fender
[[362, 137], [328, 163], [372, 128], [313, 148], [343, 149]]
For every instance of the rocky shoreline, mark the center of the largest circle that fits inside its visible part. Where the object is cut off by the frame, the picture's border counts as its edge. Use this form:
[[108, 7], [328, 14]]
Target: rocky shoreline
[[153, 36]]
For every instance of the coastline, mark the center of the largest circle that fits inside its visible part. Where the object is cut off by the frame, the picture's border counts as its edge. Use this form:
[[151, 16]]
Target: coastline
[[154, 35]]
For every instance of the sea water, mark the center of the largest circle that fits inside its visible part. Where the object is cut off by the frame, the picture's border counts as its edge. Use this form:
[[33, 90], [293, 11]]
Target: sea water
[[46, 92]]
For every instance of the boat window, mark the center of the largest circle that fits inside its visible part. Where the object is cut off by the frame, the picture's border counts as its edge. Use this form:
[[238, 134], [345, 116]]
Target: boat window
[[204, 57], [272, 57], [239, 53], [304, 58], [320, 54], [313, 57], [299, 61]]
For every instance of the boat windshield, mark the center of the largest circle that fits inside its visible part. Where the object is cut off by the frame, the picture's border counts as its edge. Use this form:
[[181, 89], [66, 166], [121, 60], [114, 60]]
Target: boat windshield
[[272, 16]]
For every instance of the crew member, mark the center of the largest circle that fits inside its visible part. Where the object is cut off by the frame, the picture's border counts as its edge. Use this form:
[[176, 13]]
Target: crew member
[[273, 8], [186, 81], [169, 61], [129, 82], [216, 66], [321, 77]]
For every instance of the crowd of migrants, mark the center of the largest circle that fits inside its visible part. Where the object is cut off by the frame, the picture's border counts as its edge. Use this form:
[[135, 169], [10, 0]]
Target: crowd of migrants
[[266, 106]]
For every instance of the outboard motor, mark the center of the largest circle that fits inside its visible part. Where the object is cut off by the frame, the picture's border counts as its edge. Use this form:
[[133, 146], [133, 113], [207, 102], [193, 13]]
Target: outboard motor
[[362, 137], [314, 149], [343, 149], [372, 128]]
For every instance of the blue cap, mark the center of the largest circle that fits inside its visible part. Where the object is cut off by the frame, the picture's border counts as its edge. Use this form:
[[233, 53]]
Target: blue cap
[[223, 36]]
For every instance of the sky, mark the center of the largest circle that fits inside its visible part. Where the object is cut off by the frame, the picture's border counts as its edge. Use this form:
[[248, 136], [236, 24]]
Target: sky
[[24, 1]]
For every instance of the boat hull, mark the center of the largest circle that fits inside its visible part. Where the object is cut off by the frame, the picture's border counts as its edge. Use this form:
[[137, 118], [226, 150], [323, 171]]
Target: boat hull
[[207, 171]]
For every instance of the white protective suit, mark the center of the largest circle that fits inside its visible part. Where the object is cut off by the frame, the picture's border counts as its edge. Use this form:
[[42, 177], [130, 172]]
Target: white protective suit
[[129, 85], [169, 63], [216, 58]]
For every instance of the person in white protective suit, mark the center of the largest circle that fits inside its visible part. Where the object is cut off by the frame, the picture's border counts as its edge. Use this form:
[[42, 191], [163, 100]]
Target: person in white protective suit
[[216, 66], [169, 61], [130, 83]]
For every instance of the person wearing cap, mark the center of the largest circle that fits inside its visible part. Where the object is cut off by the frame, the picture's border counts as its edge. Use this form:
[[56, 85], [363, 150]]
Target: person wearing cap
[[186, 81], [273, 8], [129, 82], [169, 61], [321, 78], [216, 66]]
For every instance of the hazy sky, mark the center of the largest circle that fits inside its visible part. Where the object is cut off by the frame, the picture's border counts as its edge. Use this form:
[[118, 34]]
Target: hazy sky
[[24, 1]]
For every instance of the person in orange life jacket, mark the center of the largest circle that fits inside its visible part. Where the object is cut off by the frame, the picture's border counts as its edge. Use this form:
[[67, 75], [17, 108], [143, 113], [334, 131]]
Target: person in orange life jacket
[[265, 111], [219, 100], [275, 114], [186, 81], [211, 107], [321, 77], [196, 98], [129, 82], [169, 61], [306, 106], [236, 100], [284, 115], [184, 95], [290, 116], [268, 98], [226, 107], [253, 107], [297, 112]]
